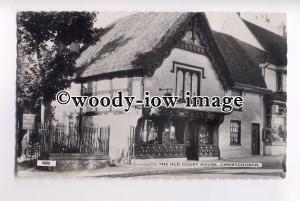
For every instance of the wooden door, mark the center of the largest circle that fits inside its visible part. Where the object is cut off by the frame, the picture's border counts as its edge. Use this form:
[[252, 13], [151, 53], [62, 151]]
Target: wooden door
[[192, 142], [255, 139]]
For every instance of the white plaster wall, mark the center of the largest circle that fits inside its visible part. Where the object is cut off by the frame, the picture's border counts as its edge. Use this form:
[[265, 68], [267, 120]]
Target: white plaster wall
[[164, 78], [118, 120], [270, 79], [253, 112], [275, 149], [119, 130], [284, 75]]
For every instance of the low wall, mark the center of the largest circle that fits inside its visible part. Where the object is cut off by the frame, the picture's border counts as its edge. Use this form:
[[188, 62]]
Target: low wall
[[67, 162], [235, 153], [275, 149]]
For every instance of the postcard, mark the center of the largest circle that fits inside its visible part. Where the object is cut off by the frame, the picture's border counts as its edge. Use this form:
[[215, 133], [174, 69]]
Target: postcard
[[151, 94]]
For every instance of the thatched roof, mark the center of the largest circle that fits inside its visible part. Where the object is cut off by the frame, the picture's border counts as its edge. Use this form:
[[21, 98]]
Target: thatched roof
[[275, 46], [129, 37], [133, 43], [241, 66]]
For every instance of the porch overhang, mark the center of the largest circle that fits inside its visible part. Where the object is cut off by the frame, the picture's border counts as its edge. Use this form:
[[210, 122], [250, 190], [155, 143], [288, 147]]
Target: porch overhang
[[190, 114]]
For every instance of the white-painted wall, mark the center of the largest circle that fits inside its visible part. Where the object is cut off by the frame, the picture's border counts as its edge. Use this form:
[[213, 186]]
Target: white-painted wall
[[164, 78], [253, 112]]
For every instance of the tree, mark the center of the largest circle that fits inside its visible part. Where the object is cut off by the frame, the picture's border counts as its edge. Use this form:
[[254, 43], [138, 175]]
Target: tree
[[46, 62]]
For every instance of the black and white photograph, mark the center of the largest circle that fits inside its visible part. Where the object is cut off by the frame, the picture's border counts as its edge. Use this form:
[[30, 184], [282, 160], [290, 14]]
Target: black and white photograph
[[128, 100], [151, 95]]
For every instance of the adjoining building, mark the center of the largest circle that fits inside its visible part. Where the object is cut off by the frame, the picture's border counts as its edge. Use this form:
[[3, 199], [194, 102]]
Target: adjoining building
[[169, 54]]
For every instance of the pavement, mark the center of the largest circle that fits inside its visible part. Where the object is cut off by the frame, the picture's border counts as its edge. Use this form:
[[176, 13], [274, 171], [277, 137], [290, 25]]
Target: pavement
[[271, 167]]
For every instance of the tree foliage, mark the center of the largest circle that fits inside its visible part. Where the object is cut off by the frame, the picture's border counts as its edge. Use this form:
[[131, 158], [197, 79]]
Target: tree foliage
[[45, 61]]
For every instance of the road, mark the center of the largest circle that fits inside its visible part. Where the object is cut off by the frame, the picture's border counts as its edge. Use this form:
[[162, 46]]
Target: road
[[229, 174]]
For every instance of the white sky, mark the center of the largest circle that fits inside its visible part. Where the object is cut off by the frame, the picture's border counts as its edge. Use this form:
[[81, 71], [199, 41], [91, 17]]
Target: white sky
[[105, 18], [215, 19]]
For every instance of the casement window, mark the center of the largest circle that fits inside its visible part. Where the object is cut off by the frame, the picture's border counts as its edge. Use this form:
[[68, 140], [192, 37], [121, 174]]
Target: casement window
[[172, 132], [278, 109], [187, 80], [90, 86], [173, 139], [203, 135], [149, 132], [235, 132], [87, 88], [152, 132]]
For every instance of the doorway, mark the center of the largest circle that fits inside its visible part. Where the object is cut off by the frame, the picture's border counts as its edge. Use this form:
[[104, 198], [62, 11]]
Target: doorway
[[255, 139], [192, 141]]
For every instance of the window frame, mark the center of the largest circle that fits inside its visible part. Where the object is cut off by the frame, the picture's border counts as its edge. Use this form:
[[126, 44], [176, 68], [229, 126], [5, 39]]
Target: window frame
[[184, 71], [145, 130], [232, 143]]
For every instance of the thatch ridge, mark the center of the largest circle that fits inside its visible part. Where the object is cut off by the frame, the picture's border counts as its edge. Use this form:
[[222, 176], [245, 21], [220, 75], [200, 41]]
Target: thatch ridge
[[137, 45], [139, 34]]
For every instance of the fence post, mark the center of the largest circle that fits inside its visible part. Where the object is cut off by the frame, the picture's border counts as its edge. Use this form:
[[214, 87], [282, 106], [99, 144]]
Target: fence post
[[133, 143], [107, 140], [50, 139]]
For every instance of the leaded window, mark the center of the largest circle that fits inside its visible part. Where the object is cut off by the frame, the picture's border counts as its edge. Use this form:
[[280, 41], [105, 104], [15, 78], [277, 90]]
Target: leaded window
[[179, 87], [195, 84], [187, 80]]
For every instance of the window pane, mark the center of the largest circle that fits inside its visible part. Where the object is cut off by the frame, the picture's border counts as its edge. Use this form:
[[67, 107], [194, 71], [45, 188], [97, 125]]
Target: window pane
[[235, 132], [187, 82], [149, 132], [179, 90], [195, 85], [90, 85], [172, 133]]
